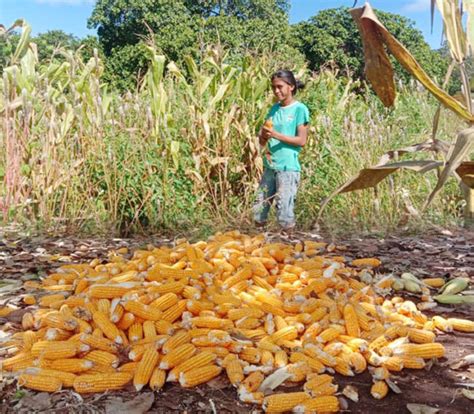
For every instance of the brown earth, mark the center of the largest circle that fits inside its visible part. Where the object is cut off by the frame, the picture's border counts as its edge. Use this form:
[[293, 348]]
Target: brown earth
[[436, 254]]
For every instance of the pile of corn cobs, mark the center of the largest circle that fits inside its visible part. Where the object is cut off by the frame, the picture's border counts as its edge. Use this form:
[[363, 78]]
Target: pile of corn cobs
[[263, 313]]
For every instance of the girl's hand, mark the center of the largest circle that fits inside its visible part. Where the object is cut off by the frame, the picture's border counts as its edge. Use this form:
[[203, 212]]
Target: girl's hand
[[267, 133]]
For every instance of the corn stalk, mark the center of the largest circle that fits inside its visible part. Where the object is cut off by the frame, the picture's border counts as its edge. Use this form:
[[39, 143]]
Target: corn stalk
[[376, 40]]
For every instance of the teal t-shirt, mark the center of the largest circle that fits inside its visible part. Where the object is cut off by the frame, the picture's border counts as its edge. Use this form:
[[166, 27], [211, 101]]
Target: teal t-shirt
[[286, 120]]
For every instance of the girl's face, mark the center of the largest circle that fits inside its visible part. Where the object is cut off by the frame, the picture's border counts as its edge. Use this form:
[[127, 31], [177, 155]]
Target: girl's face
[[282, 90]]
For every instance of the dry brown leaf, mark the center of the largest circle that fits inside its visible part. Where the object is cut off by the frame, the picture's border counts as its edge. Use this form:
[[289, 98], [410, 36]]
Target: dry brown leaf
[[370, 177], [378, 68], [375, 35], [453, 29], [139, 405], [459, 152]]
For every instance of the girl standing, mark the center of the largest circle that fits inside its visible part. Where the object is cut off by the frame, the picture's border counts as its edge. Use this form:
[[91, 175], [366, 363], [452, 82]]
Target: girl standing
[[284, 134]]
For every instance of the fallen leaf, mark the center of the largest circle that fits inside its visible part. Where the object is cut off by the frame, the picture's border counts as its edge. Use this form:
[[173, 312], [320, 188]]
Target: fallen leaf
[[468, 393], [139, 405], [467, 360], [421, 409], [41, 401]]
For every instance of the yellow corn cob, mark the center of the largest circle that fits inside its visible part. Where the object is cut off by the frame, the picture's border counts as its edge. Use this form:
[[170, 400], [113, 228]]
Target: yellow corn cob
[[435, 282], [279, 403], [211, 322], [352, 323], [80, 286], [286, 333], [177, 356], [17, 362], [328, 335], [103, 358], [28, 338], [234, 370], [56, 320], [135, 332], [394, 363], [66, 378], [164, 302], [126, 321], [55, 349], [317, 380], [219, 351], [174, 312], [324, 389], [250, 354], [47, 300], [145, 368], [379, 390], [40, 382], [252, 381], [101, 383], [325, 404], [117, 313], [143, 311], [366, 262], [425, 351], [103, 305], [199, 375], [128, 367], [73, 365], [149, 329], [103, 344], [157, 379], [358, 362], [108, 328], [442, 324], [199, 360], [281, 359], [236, 314], [298, 371], [412, 362], [421, 336], [109, 291], [313, 363], [179, 338], [164, 327], [462, 325], [29, 300]]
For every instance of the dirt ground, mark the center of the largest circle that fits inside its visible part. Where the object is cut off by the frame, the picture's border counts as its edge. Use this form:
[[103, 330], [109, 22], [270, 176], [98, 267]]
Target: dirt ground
[[438, 253]]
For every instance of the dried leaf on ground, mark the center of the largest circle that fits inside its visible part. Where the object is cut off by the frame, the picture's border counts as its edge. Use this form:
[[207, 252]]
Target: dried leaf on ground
[[421, 409], [139, 405]]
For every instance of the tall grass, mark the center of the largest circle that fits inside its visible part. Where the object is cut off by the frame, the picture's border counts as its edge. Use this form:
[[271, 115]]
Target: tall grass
[[181, 151]]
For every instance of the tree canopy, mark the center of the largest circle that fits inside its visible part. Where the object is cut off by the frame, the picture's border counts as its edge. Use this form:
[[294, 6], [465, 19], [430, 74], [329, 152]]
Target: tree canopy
[[180, 28]]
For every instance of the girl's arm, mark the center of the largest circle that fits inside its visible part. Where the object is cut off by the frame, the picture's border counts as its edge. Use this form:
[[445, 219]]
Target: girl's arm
[[299, 140]]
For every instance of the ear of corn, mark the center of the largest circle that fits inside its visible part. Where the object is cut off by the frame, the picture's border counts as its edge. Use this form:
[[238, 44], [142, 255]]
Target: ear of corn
[[199, 375], [100, 383], [40, 382], [279, 403], [145, 368], [379, 390], [177, 356], [326, 404]]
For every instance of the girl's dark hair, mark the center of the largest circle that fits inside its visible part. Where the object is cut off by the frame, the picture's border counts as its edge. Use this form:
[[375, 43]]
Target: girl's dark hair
[[288, 77]]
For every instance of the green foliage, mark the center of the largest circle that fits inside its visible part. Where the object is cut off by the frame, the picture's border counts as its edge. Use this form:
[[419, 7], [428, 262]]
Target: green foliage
[[181, 151], [184, 28], [50, 42], [331, 38]]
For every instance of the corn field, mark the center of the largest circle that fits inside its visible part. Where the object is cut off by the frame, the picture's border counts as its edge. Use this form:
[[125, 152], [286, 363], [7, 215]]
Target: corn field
[[181, 151]]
